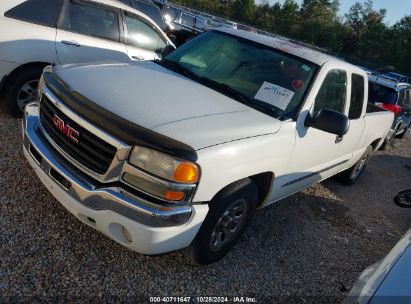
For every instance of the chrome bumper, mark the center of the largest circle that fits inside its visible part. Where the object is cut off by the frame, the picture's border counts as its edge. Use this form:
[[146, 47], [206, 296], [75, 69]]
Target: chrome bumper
[[88, 192]]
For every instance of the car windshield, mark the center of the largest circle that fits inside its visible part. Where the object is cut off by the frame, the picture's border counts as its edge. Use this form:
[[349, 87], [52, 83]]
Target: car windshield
[[259, 76], [379, 93]]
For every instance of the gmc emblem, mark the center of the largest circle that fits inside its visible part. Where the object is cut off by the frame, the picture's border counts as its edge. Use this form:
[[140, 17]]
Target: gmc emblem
[[65, 128]]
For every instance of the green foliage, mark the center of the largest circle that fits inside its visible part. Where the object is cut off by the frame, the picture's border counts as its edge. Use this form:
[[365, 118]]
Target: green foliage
[[361, 36], [243, 10]]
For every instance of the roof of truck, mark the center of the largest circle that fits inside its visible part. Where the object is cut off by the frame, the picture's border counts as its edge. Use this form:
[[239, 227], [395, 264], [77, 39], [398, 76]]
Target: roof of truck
[[286, 45]]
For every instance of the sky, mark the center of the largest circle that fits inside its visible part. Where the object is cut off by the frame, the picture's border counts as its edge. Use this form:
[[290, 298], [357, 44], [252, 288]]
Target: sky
[[396, 9]]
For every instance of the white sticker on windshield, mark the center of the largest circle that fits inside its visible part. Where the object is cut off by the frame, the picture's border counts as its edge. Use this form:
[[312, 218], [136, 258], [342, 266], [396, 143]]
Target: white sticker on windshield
[[274, 95]]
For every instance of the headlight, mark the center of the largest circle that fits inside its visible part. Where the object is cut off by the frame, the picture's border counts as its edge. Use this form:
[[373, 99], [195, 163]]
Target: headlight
[[161, 175], [164, 166]]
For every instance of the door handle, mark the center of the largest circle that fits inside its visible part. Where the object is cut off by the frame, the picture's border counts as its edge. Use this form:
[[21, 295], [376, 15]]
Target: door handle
[[339, 139], [72, 43], [137, 58]]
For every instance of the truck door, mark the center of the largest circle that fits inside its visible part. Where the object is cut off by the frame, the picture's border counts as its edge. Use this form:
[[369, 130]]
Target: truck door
[[89, 32], [356, 114], [318, 154]]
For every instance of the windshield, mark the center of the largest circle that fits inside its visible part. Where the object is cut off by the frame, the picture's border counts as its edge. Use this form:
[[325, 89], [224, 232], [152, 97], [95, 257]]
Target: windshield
[[261, 77], [379, 93]]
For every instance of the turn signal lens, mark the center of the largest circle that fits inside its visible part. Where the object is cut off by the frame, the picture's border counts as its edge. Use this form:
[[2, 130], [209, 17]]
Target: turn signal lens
[[186, 173], [174, 196]]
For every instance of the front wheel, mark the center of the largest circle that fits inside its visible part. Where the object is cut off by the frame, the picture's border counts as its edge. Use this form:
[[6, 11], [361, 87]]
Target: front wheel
[[230, 214], [22, 90], [351, 175]]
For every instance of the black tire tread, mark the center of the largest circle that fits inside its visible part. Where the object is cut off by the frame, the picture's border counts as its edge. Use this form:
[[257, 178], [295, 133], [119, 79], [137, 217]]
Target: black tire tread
[[402, 135], [14, 84], [197, 253], [345, 176]]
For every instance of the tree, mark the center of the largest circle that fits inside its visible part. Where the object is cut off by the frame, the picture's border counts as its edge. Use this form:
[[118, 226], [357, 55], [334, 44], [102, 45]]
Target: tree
[[319, 23], [325, 10], [399, 52], [243, 10], [262, 16], [368, 31], [290, 20], [361, 36], [361, 16]]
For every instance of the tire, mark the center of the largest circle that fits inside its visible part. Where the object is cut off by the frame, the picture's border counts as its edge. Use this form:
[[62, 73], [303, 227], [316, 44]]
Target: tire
[[403, 199], [22, 89], [401, 136], [383, 146], [351, 175], [388, 141], [222, 228]]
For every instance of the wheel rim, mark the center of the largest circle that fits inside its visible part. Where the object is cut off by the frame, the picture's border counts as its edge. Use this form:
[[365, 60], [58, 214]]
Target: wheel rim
[[403, 199], [229, 225], [361, 166], [27, 93]]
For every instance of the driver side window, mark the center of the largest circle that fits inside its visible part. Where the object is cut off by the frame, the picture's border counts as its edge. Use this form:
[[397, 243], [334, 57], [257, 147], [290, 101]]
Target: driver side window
[[333, 92]]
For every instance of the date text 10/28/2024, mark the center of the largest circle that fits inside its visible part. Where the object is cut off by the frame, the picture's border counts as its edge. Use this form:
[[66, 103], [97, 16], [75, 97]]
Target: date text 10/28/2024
[[238, 299]]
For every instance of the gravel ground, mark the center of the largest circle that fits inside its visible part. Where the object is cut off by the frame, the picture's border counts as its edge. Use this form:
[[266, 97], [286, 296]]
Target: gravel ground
[[309, 247]]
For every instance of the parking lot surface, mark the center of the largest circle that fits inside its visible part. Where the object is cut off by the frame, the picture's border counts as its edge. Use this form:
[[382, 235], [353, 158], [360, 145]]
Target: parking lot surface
[[309, 247]]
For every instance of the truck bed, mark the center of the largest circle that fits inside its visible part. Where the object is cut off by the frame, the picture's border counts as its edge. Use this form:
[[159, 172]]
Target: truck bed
[[377, 122]]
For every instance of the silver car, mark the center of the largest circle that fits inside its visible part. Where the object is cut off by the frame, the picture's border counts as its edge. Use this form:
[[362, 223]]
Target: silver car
[[389, 280]]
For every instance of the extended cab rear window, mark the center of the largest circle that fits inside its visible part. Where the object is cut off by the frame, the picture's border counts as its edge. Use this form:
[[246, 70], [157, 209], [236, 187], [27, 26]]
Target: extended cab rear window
[[357, 96], [44, 12]]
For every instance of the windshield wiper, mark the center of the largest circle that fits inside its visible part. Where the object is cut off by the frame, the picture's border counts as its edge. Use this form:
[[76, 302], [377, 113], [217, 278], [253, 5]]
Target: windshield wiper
[[227, 90], [224, 88], [176, 67], [218, 86]]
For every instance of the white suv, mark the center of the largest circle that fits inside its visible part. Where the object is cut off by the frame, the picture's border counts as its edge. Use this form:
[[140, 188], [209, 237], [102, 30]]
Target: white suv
[[37, 33]]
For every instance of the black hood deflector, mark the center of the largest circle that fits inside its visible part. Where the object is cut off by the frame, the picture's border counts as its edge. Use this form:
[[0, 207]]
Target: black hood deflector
[[114, 125]]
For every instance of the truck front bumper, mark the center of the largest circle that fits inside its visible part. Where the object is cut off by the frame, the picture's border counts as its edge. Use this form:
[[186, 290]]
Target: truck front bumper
[[133, 222]]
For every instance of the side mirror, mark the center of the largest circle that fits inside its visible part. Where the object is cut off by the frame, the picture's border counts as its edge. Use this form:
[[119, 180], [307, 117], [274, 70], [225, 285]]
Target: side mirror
[[329, 121], [403, 199], [167, 50]]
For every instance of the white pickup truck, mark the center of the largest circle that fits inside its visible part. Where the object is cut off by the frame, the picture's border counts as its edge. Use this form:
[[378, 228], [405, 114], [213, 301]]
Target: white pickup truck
[[180, 152]]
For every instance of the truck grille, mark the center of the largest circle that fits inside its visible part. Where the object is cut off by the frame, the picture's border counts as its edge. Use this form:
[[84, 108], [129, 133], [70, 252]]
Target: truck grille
[[90, 151]]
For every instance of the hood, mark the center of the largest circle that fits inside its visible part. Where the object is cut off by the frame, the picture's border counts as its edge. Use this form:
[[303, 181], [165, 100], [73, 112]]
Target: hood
[[155, 98]]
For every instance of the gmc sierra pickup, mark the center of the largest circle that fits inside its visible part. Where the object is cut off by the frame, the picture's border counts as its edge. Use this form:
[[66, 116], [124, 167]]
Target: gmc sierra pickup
[[180, 152]]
